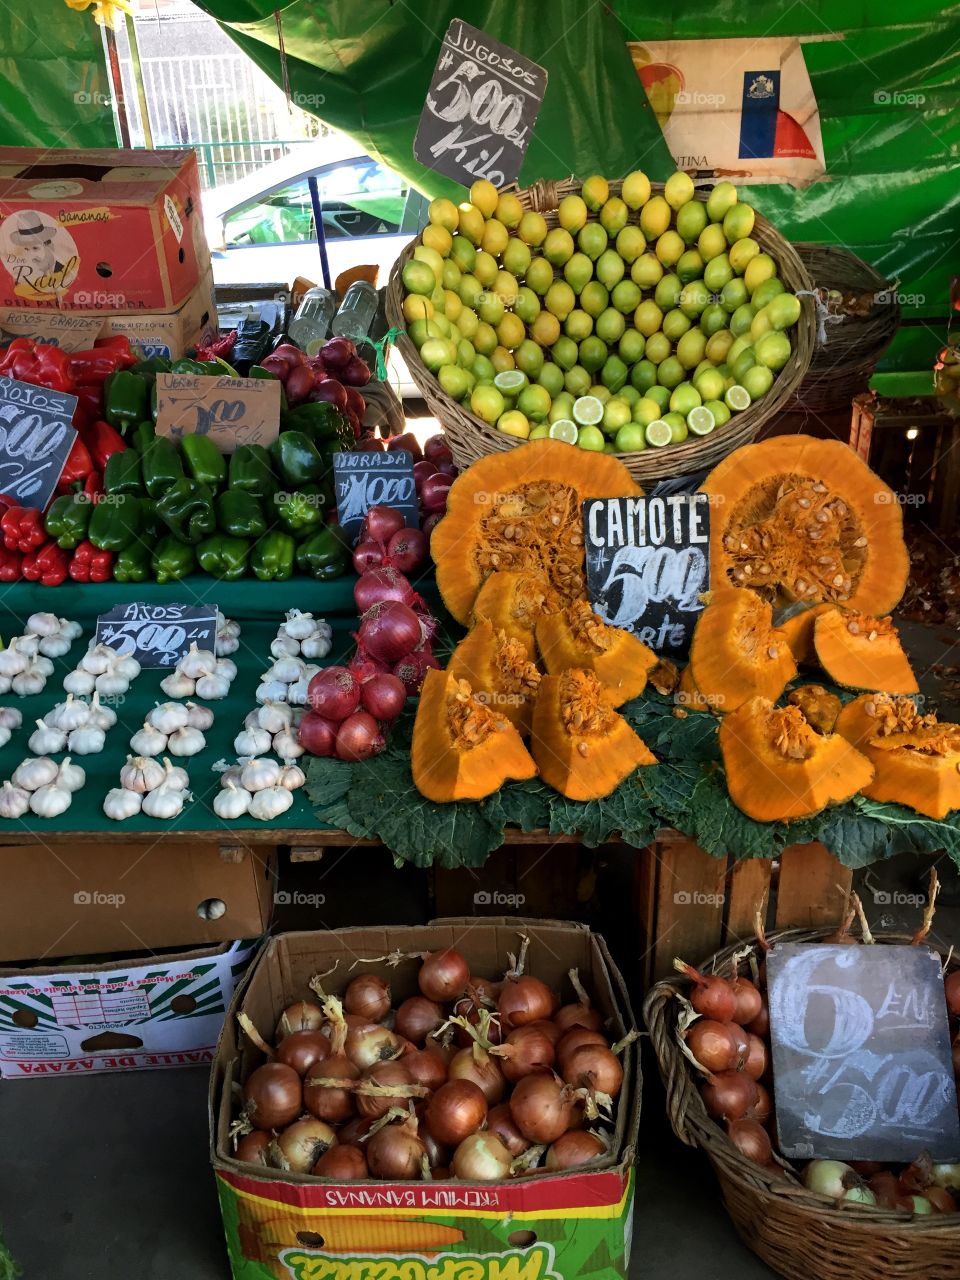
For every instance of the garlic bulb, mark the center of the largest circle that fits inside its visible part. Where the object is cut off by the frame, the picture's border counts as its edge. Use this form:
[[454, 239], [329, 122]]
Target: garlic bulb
[[119, 803], [199, 717], [103, 717], [70, 776], [27, 645], [141, 774], [231, 801], [43, 624], [28, 683], [229, 771], [42, 667], [167, 716], [5, 684], [299, 625], [198, 662], [34, 772], [226, 668], [174, 776], [271, 691], [287, 745], [284, 646], [14, 801], [111, 685], [72, 630], [251, 720], [127, 666], [186, 742], [164, 802], [298, 692], [148, 741], [98, 659], [292, 776], [177, 685], [79, 682], [274, 717], [50, 800], [317, 645], [252, 742], [212, 687], [55, 646], [257, 774], [286, 670], [70, 714], [270, 803], [46, 740], [10, 718], [226, 644], [12, 662], [86, 741], [5, 735]]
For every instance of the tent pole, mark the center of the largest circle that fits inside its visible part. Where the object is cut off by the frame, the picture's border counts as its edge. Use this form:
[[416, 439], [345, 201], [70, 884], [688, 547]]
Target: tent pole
[[318, 223], [137, 70], [120, 102]]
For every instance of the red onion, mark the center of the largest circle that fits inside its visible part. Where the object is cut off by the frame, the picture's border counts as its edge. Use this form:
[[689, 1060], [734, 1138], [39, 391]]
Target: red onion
[[376, 585], [356, 373], [337, 352], [407, 441], [383, 696], [356, 404], [388, 631], [359, 737], [334, 693], [448, 469], [421, 470], [407, 549], [368, 443], [437, 449], [299, 384], [276, 364], [332, 391], [381, 523], [365, 667], [430, 522], [317, 734], [367, 556], [434, 490], [289, 352], [413, 668]]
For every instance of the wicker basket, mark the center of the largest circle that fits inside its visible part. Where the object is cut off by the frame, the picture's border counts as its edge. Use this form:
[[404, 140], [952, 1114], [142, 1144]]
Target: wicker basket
[[853, 333], [470, 438], [798, 1233]]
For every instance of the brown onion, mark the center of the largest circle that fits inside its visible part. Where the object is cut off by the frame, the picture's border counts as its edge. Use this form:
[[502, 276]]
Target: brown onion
[[951, 990], [252, 1148], [443, 975], [273, 1096], [760, 1026], [591, 1067], [342, 1164], [417, 1018], [575, 1039], [941, 1199], [302, 1050], [485, 990], [368, 996], [578, 1015], [437, 1153], [331, 1102], [713, 1045], [368, 1043], [749, 1001], [710, 995], [751, 1140], [395, 1151], [456, 1110], [425, 1067], [481, 1157], [729, 1095], [525, 1050], [300, 1146], [762, 1108], [576, 1147], [542, 1107], [302, 1016], [525, 999], [477, 1065], [755, 1063], [550, 1029], [375, 1105], [354, 1131], [502, 1123]]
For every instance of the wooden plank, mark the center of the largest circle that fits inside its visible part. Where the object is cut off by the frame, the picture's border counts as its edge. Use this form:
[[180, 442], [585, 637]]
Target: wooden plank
[[690, 898], [748, 886], [306, 853], [232, 853], [645, 908], [811, 888]]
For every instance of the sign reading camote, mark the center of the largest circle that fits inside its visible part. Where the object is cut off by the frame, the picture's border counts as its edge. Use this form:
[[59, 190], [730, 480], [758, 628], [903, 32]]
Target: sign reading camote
[[648, 564], [374, 479], [862, 1067], [481, 108], [231, 411], [157, 635], [36, 437]]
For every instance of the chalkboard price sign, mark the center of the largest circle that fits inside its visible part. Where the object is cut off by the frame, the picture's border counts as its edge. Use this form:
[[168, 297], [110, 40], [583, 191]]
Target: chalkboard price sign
[[35, 441], [374, 479], [158, 635], [481, 108], [648, 565], [862, 1068]]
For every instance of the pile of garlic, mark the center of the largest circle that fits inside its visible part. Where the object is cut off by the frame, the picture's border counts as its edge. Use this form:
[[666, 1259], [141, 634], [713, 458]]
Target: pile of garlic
[[41, 785], [271, 727], [174, 727], [228, 635], [147, 786], [298, 640], [200, 673], [262, 788], [10, 719], [76, 726], [102, 670]]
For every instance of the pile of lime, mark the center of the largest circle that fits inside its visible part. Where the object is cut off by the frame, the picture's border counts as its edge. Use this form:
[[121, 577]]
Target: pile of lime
[[656, 321]]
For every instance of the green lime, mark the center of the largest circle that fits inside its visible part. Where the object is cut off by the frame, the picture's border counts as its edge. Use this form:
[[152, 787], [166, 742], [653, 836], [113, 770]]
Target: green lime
[[454, 380], [647, 271], [437, 352], [738, 221], [717, 273], [643, 375], [701, 421], [675, 324], [529, 357], [741, 253], [534, 401], [691, 348], [558, 247], [783, 310], [690, 267], [772, 350], [560, 299], [551, 377], [741, 320], [591, 438], [599, 392], [616, 414], [631, 346], [565, 352], [737, 398], [631, 242], [576, 382], [683, 398], [587, 411], [578, 272], [678, 189], [563, 429], [609, 268], [678, 427], [614, 373], [610, 326], [711, 242], [470, 290], [721, 199], [626, 296], [578, 325], [513, 423], [483, 370], [658, 433], [718, 345], [721, 413], [741, 343], [709, 383], [511, 382], [562, 406], [744, 361], [540, 432], [691, 220], [658, 347], [630, 439], [757, 380], [592, 239], [613, 215], [694, 298], [539, 276], [526, 305], [712, 319], [646, 411], [667, 293], [669, 248], [647, 317], [660, 396], [630, 394], [487, 402], [418, 277], [766, 292], [593, 353], [671, 372]]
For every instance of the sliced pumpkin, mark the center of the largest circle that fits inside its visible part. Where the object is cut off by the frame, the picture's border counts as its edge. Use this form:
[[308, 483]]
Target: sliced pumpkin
[[522, 511], [820, 707], [688, 695], [797, 623], [860, 652], [737, 654], [514, 603], [802, 519], [779, 768], [874, 715], [578, 637], [919, 768], [461, 749], [583, 748], [498, 669]]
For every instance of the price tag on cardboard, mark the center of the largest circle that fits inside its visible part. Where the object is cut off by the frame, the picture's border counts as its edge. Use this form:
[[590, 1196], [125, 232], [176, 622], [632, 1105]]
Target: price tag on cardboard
[[231, 411], [369, 478], [158, 635], [36, 437]]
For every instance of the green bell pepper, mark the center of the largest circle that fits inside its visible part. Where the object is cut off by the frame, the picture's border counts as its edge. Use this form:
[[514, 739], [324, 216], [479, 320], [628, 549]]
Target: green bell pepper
[[148, 369], [258, 371], [153, 526], [68, 519], [172, 560], [116, 522], [250, 469], [224, 557], [322, 422], [273, 557], [187, 365], [303, 510], [205, 462], [125, 399], [240, 514], [133, 564], [297, 459], [143, 436], [162, 467], [323, 555], [122, 473], [187, 510], [220, 367]]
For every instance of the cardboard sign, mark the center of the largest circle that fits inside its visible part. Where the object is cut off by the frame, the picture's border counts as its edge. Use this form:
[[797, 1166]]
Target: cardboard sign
[[861, 1053], [370, 479], [648, 564], [481, 108], [158, 635], [35, 440], [231, 411]]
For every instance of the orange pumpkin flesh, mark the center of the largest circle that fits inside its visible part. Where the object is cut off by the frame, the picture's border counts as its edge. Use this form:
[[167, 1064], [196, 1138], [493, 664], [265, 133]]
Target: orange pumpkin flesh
[[737, 654], [577, 637], [875, 715], [461, 749], [779, 768], [860, 652], [820, 707], [798, 626], [582, 747], [919, 768], [497, 668], [688, 695], [514, 603], [522, 511]]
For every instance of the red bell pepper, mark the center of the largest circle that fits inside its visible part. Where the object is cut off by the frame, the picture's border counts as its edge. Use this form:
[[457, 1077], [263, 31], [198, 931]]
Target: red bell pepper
[[38, 363], [90, 564], [78, 467], [48, 566], [102, 442], [11, 565], [96, 365], [219, 348], [22, 529]]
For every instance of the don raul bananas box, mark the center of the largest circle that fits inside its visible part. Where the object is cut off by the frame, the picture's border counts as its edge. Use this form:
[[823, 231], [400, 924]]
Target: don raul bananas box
[[285, 1226], [100, 230]]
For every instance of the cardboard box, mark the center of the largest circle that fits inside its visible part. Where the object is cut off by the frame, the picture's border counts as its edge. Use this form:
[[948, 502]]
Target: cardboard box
[[154, 333], [100, 230], [539, 1227], [166, 1012], [86, 899]]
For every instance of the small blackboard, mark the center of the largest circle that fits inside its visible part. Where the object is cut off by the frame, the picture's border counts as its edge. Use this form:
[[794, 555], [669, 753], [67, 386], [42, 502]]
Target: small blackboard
[[372, 478], [36, 437], [481, 108], [648, 565], [158, 635], [862, 1068]]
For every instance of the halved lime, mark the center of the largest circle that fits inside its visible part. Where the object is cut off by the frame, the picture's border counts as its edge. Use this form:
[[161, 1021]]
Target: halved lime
[[565, 430], [511, 381], [701, 421], [587, 411], [658, 433], [737, 397]]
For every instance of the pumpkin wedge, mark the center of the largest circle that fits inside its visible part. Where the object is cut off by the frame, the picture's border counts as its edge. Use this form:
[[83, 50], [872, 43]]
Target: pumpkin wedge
[[514, 603], [583, 748], [688, 695], [737, 653], [919, 768], [860, 652], [802, 519], [497, 668], [578, 637], [461, 749], [779, 768], [797, 623], [522, 511], [874, 715], [820, 707]]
